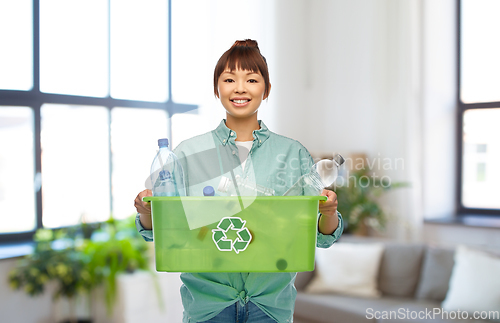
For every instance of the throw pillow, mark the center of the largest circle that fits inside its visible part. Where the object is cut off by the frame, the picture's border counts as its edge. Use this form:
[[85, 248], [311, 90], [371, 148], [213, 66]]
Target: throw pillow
[[400, 269], [347, 268], [474, 283], [436, 273]]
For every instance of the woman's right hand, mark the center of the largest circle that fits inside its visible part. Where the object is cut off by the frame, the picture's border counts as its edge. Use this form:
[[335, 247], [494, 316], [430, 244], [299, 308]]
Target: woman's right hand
[[142, 207]]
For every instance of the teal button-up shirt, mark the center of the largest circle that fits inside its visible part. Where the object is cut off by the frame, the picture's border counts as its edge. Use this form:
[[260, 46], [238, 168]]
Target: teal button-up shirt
[[275, 162]]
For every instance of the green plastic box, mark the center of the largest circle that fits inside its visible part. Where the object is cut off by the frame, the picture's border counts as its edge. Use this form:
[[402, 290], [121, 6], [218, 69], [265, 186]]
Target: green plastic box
[[235, 234]]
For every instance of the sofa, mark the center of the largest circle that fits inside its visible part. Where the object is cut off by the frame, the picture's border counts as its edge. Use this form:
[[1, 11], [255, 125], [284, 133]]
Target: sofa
[[412, 281]]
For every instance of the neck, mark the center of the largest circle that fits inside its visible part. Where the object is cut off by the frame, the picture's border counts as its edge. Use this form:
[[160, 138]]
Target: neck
[[243, 127]]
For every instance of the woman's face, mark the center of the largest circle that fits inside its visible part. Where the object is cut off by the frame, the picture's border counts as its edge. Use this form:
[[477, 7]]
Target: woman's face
[[241, 92]]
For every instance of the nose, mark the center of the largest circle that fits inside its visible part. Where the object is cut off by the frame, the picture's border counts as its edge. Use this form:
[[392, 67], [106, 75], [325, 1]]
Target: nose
[[240, 87]]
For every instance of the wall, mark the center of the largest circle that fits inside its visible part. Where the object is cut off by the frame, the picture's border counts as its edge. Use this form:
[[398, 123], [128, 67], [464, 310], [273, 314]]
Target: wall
[[348, 81]]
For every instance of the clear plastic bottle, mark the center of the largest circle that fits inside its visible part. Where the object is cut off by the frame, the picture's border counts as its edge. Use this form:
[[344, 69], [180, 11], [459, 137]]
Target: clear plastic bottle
[[244, 187], [321, 175], [167, 175]]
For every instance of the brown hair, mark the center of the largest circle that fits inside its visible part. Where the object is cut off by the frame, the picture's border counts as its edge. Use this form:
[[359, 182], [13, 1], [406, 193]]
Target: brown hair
[[244, 55]]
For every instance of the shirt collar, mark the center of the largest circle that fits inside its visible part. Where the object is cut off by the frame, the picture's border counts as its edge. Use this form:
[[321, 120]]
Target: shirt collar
[[225, 134]]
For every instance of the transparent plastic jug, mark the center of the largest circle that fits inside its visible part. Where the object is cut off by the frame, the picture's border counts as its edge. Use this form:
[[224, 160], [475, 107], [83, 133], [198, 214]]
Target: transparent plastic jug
[[321, 175]]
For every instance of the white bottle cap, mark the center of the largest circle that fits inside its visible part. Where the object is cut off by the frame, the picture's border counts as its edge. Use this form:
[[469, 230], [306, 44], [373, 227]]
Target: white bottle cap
[[223, 184]]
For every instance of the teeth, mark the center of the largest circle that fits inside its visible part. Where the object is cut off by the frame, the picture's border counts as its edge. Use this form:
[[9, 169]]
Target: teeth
[[240, 101]]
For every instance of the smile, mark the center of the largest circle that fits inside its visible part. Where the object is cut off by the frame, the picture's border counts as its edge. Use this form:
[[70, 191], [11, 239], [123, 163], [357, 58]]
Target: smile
[[240, 102]]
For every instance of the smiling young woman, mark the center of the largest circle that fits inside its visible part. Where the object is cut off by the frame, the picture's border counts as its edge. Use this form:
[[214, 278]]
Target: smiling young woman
[[241, 82]]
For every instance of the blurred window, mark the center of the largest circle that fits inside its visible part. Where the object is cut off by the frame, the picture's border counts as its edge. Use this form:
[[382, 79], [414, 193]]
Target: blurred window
[[87, 88], [479, 106], [17, 170], [75, 164], [74, 47], [16, 39], [139, 51], [78, 133], [481, 158]]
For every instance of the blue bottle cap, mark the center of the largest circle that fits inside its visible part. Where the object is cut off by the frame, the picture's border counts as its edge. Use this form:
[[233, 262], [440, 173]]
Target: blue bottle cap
[[208, 191], [163, 142]]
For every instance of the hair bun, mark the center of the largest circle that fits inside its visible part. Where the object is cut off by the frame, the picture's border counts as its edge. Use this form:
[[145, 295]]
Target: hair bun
[[246, 43]]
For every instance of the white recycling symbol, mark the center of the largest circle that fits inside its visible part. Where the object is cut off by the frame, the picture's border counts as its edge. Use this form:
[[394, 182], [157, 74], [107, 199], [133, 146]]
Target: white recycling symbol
[[231, 223]]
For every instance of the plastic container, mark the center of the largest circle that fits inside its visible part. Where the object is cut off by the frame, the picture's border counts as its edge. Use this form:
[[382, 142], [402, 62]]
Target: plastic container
[[270, 234], [167, 175]]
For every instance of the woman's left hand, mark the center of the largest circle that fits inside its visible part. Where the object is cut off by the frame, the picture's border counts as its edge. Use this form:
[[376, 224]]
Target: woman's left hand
[[329, 207]]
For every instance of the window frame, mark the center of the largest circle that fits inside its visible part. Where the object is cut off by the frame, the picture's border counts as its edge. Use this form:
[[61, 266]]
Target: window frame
[[462, 107], [34, 99]]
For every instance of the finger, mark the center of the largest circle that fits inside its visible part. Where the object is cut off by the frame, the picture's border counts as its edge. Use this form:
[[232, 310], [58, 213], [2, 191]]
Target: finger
[[142, 207], [333, 204], [330, 202]]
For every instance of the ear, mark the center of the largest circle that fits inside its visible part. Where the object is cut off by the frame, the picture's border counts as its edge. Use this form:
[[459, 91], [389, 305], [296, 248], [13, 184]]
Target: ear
[[267, 95]]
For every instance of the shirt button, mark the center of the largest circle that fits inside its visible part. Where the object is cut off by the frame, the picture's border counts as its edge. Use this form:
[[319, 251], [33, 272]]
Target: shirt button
[[234, 153], [224, 141], [231, 133], [260, 141]]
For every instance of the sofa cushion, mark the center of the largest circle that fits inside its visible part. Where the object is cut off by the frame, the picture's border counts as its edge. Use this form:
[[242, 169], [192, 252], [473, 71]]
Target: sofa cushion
[[302, 279], [400, 269], [474, 283], [341, 308], [347, 268], [436, 273]]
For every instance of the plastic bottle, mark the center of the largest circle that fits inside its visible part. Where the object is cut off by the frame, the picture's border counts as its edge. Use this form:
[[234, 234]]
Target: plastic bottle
[[243, 187], [321, 175], [167, 175]]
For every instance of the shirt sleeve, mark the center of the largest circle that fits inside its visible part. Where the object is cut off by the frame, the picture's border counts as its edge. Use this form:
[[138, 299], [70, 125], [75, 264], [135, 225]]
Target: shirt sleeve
[[327, 240], [147, 235]]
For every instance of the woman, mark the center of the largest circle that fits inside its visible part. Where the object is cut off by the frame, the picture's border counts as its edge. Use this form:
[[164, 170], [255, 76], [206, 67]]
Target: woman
[[241, 82]]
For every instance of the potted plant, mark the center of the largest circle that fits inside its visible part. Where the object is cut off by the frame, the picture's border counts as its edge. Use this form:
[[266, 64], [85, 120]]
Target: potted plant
[[358, 201], [113, 249], [79, 259], [55, 259]]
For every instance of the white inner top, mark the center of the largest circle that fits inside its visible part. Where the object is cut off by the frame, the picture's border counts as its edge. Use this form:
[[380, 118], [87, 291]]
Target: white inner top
[[243, 150]]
